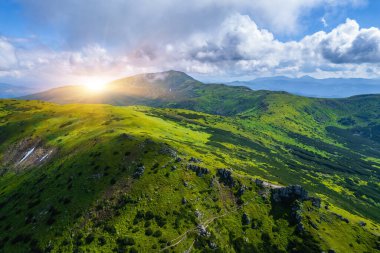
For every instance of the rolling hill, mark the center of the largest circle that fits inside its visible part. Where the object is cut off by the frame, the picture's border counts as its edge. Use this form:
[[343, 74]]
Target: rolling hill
[[183, 165]]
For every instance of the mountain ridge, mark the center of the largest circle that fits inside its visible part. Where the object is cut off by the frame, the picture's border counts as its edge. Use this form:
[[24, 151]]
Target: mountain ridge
[[312, 87]]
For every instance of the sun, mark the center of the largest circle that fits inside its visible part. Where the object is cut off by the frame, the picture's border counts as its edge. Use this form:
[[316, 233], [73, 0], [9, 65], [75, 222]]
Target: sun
[[95, 84]]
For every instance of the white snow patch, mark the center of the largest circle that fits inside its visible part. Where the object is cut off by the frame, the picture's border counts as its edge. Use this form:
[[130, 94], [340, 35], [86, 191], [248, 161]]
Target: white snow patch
[[27, 155], [45, 156]]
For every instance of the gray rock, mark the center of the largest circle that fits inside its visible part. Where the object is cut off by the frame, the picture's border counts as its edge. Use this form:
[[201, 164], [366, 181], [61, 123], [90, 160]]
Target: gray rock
[[202, 231], [184, 201], [212, 245], [362, 224], [139, 172]]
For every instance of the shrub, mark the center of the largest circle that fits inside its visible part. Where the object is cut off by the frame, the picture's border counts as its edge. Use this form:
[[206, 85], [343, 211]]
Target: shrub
[[148, 231], [125, 241], [133, 250], [149, 215], [102, 241], [110, 229], [157, 233], [90, 238]]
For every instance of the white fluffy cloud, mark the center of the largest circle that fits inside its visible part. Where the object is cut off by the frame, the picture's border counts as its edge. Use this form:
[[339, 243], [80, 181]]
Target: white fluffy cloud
[[350, 44], [129, 23], [8, 59], [236, 47]]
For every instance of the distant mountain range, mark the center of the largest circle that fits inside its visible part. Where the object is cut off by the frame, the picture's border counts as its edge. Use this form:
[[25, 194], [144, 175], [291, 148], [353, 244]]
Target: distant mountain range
[[12, 91], [312, 87]]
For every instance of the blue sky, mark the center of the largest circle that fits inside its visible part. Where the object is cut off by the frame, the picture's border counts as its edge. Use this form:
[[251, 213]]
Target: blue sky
[[51, 42]]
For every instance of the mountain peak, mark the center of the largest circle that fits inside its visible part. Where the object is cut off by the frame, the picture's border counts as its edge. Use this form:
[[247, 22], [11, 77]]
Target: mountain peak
[[165, 75]]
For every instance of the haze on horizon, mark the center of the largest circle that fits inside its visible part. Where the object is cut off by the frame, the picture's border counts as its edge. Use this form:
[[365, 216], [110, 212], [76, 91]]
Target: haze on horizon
[[50, 43]]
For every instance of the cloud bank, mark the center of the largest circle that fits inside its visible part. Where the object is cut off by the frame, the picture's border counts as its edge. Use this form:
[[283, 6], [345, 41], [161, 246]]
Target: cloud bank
[[223, 39]]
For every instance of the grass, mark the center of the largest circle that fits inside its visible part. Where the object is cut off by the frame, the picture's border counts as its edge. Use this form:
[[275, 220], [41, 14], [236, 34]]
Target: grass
[[87, 198]]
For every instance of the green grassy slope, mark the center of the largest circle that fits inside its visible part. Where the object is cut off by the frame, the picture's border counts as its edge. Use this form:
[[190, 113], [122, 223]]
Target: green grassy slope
[[113, 181]]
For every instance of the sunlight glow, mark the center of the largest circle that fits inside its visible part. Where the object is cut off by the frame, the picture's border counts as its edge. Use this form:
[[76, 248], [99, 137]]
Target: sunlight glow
[[95, 84]]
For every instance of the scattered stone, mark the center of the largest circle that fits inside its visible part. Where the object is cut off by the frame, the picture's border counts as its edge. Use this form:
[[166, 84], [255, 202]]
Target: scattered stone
[[178, 159], [315, 202], [362, 224], [313, 225], [225, 176], [212, 245], [241, 190], [342, 218], [139, 172], [125, 136], [202, 231], [300, 228], [186, 184], [184, 201], [167, 150], [174, 168], [259, 182], [197, 213], [331, 251], [245, 220], [194, 160]]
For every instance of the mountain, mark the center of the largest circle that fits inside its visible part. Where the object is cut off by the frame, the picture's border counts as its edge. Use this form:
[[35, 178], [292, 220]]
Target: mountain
[[12, 91], [311, 87], [189, 166], [166, 89]]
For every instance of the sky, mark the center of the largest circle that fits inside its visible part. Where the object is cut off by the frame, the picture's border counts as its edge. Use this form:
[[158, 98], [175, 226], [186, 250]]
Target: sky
[[45, 43]]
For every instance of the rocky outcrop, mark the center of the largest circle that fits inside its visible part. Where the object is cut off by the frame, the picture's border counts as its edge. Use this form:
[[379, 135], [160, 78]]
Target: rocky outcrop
[[289, 194], [225, 176], [165, 149], [200, 171]]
